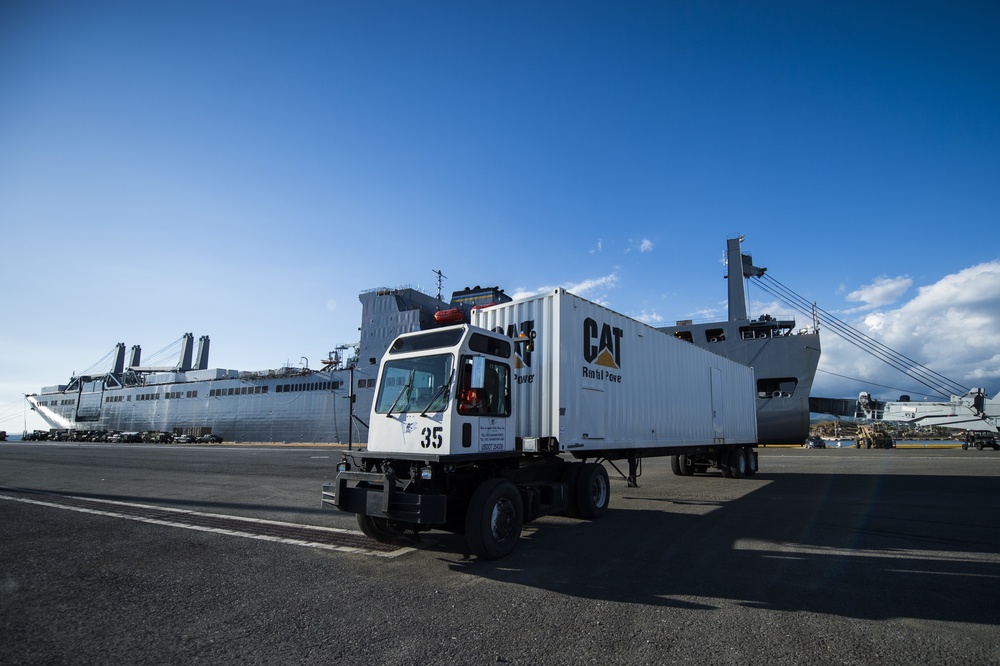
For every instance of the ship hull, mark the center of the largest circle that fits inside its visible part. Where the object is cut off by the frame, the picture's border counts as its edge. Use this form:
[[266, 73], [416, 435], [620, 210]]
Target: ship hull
[[311, 407]]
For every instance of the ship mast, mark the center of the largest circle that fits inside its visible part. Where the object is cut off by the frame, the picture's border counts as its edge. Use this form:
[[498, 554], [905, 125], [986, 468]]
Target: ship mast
[[736, 260]]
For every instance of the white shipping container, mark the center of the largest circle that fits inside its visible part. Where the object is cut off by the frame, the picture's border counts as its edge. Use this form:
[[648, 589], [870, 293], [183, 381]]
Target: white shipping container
[[598, 380]]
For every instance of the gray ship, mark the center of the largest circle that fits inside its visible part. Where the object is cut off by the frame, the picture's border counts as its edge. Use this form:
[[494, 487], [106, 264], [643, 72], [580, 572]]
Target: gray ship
[[784, 358], [284, 405], [305, 405]]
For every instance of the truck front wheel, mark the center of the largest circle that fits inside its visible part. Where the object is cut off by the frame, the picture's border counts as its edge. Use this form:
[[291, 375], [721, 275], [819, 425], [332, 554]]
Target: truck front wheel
[[494, 519], [380, 529]]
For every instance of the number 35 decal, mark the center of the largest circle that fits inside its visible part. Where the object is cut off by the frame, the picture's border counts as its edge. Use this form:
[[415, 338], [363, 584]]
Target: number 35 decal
[[432, 437]]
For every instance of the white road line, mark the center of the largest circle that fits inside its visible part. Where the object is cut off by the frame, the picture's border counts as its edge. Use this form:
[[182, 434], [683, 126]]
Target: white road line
[[200, 528]]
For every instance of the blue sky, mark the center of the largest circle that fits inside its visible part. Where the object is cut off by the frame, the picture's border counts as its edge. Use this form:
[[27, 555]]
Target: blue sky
[[243, 170]]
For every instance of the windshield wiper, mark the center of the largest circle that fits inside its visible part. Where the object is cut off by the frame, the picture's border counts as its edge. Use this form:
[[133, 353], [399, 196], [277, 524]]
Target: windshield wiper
[[440, 389], [406, 389]]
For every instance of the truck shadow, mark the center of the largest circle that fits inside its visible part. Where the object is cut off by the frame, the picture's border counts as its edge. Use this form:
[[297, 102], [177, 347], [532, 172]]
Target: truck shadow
[[857, 546]]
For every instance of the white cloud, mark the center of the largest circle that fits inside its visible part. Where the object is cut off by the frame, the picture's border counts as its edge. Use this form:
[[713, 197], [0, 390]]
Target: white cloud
[[587, 288], [651, 318], [882, 291], [951, 327], [646, 245], [599, 248]]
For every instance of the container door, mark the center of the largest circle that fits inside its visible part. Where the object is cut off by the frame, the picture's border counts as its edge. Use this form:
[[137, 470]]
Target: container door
[[594, 417], [718, 427]]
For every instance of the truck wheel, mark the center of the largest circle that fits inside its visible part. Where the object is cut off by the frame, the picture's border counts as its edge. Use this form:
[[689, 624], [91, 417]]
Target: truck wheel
[[571, 472], [681, 465], [979, 446], [965, 446], [593, 491], [752, 461], [494, 519], [737, 463], [380, 529]]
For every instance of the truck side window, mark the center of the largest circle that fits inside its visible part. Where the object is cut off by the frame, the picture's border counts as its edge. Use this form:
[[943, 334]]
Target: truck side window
[[493, 398]]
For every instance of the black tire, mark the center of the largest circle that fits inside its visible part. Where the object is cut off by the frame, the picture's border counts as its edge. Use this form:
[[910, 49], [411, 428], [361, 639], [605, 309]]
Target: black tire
[[494, 519], [593, 491], [681, 465], [723, 459], [965, 446], [737, 463], [569, 476], [380, 529], [752, 462], [979, 446]]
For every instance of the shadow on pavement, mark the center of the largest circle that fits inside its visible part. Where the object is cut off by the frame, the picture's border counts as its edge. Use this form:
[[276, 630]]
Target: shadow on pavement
[[858, 546]]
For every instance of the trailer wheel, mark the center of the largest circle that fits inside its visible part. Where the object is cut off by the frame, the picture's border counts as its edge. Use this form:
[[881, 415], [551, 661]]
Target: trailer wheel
[[737, 463], [722, 458], [593, 491], [681, 465], [494, 519], [752, 462], [380, 529]]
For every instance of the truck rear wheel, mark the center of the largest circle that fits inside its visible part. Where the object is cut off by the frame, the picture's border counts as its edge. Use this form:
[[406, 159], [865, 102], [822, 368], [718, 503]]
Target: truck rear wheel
[[494, 519], [380, 529], [593, 491]]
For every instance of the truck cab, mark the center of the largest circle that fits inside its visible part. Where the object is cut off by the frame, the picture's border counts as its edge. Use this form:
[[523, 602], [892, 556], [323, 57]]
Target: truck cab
[[445, 392]]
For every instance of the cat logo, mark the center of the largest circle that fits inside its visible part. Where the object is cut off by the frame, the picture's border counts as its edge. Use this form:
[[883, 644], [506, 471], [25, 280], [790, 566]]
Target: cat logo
[[602, 344]]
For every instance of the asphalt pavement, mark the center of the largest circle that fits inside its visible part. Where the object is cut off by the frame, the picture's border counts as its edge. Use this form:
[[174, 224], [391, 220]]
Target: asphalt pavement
[[143, 554]]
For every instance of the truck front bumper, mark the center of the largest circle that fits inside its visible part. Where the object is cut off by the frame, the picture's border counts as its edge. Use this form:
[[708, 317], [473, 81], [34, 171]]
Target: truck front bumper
[[376, 494]]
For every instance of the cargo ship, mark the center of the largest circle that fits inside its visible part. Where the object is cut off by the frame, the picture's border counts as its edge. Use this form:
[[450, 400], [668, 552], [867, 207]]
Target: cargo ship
[[304, 405], [286, 405]]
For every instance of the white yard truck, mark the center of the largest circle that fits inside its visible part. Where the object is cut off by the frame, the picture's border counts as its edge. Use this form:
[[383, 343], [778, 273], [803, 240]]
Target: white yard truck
[[480, 428]]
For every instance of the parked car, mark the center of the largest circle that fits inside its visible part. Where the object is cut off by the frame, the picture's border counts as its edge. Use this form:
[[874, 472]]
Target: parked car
[[815, 442], [183, 439], [208, 439]]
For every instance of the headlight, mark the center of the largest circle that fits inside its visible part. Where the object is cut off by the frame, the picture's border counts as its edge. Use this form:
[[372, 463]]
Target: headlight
[[343, 466], [426, 473]]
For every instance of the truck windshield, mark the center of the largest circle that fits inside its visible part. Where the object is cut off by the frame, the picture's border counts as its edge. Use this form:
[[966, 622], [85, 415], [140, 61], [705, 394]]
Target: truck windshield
[[414, 384]]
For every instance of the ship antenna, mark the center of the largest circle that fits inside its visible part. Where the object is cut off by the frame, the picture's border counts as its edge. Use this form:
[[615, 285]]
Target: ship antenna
[[440, 277]]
